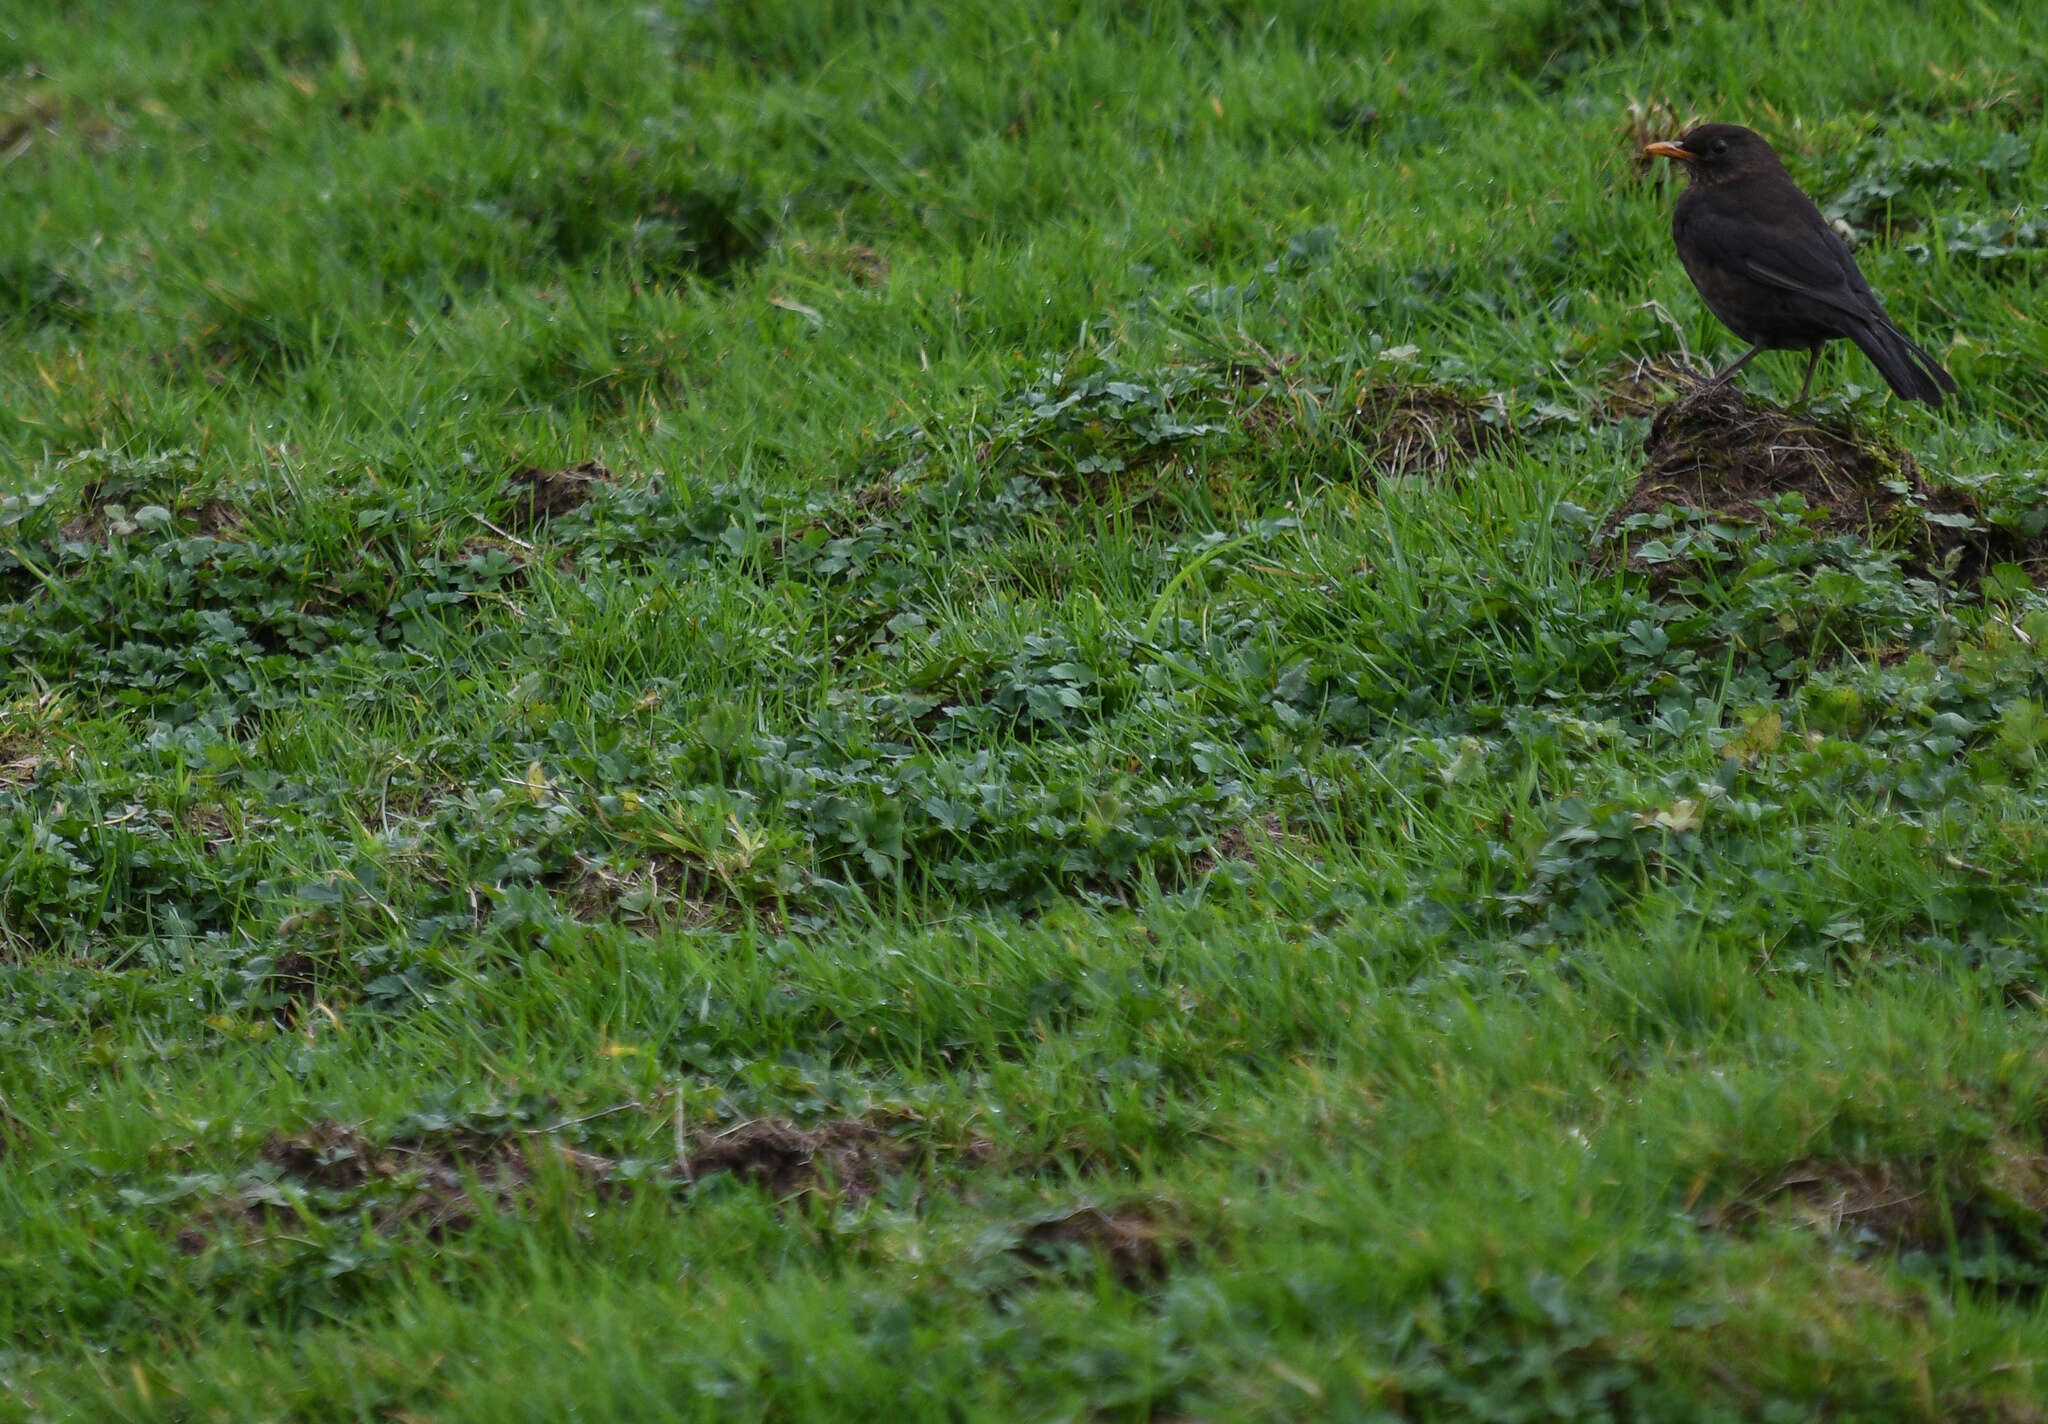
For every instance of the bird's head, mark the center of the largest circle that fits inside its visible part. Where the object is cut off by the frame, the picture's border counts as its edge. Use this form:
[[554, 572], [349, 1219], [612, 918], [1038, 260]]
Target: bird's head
[[1713, 153]]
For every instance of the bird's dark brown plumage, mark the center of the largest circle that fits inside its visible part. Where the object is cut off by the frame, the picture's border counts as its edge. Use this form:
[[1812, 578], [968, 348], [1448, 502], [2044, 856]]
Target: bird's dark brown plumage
[[1769, 266]]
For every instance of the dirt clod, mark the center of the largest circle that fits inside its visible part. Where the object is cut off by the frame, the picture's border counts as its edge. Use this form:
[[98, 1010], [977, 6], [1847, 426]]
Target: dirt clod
[[327, 1154], [216, 518], [878, 499], [1989, 1206], [1244, 844], [295, 977], [865, 266], [1137, 1247], [1887, 1201], [663, 891], [850, 1154], [533, 496], [1420, 429]]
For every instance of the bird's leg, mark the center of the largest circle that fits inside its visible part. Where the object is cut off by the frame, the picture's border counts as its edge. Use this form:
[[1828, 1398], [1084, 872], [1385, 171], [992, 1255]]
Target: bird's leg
[[1721, 376], [1812, 360]]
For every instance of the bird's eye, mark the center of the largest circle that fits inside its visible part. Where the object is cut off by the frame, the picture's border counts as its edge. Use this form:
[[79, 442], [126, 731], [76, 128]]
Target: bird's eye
[[1720, 145]]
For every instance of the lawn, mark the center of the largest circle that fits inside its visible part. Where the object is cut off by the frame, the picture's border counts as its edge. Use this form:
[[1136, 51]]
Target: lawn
[[797, 711]]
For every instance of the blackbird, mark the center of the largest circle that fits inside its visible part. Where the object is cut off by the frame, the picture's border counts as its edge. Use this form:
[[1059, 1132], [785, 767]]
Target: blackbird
[[1769, 266]]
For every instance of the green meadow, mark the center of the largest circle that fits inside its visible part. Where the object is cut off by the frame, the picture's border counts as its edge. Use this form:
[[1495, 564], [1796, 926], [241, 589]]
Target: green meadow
[[805, 710]]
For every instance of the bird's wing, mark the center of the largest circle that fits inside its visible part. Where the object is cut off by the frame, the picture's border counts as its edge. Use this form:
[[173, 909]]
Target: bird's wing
[[1793, 250]]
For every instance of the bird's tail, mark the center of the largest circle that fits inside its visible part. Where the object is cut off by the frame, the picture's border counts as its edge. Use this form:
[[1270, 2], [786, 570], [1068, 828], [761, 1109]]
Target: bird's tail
[[1908, 370]]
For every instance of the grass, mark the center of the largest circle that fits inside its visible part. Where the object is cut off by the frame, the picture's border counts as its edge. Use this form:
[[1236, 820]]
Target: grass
[[1078, 816]]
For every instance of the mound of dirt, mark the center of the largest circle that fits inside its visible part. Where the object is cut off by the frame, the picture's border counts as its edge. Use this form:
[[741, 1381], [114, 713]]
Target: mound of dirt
[[1886, 1202], [1139, 1249], [1246, 844], [853, 1155], [1716, 451], [443, 1182], [1997, 1204], [430, 1178], [532, 496], [1411, 429]]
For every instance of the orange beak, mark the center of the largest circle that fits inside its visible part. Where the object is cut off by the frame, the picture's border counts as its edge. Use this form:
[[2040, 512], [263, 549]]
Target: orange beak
[[1668, 150]]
